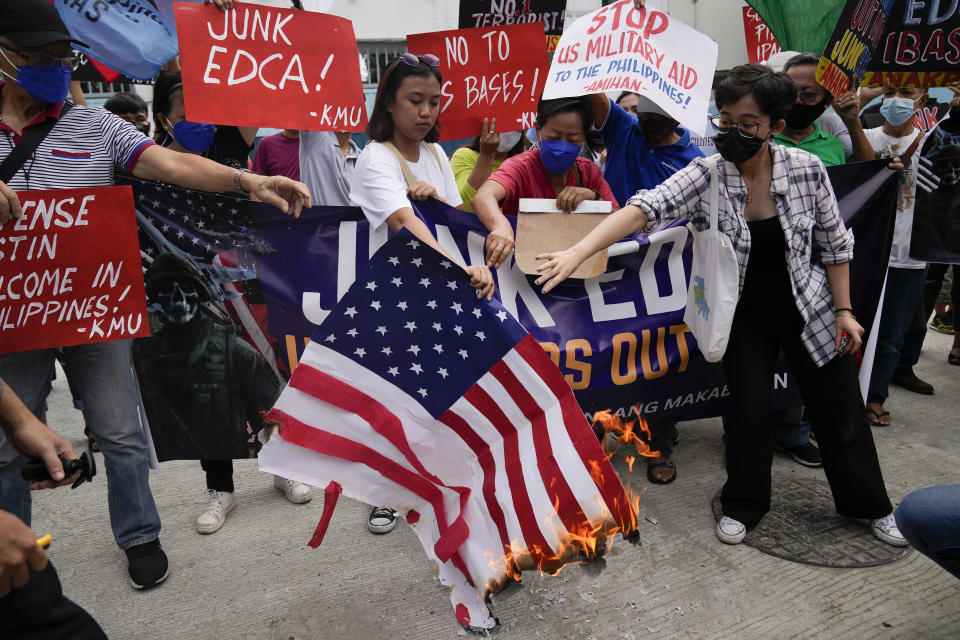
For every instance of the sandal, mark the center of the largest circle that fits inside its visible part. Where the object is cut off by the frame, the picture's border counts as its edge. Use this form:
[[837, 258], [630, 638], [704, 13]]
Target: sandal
[[875, 420], [91, 443], [663, 464]]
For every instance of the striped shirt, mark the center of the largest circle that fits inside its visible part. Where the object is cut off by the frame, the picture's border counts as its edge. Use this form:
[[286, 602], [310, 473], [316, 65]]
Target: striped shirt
[[808, 213], [82, 150]]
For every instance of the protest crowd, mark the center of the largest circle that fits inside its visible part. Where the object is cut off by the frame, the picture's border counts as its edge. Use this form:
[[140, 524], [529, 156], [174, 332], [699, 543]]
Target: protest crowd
[[205, 376]]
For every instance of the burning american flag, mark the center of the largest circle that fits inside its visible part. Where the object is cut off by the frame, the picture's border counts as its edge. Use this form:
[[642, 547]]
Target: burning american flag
[[415, 395]]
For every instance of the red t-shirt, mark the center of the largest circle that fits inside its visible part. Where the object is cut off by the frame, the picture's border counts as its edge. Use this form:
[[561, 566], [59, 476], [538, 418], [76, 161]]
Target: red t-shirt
[[523, 176]]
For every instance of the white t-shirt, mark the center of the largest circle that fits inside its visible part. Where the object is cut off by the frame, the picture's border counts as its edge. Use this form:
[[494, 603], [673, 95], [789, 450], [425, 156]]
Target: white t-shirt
[[380, 189], [889, 147]]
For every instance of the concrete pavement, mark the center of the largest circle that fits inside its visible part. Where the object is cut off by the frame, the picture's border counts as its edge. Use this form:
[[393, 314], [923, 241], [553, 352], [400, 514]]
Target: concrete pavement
[[257, 579]]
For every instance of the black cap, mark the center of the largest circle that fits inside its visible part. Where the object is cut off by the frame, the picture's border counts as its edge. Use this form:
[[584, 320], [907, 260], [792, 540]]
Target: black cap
[[33, 23]]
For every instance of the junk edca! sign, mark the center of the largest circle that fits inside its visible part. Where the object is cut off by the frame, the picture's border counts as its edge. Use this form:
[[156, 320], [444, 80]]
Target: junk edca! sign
[[850, 49], [648, 52], [495, 72], [70, 270], [495, 13], [289, 69], [921, 46]]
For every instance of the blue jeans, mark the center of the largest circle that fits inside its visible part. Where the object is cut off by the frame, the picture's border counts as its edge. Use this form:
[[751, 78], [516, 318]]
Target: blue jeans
[[903, 293], [930, 521], [104, 376], [789, 428]]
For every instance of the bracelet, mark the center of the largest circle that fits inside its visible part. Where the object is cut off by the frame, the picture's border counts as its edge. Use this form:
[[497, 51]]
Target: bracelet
[[237, 185], [596, 194], [846, 312]]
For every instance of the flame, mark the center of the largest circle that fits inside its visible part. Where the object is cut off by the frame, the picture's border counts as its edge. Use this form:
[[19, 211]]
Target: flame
[[625, 433], [586, 541]]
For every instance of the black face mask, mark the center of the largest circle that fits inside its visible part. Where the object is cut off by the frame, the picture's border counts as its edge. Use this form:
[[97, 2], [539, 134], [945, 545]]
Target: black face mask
[[801, 115], [143, 128], [735, 148]]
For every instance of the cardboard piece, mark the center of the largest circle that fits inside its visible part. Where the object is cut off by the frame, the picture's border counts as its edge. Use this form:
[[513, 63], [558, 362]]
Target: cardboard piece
[[542, 228], [70, 270], [492, 72], [257, 66]]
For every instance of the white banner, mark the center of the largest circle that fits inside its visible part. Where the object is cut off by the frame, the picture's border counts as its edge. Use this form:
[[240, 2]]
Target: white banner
[[618, 48]]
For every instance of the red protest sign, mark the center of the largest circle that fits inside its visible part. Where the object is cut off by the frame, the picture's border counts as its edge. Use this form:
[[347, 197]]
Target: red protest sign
[[258, 66], [494, 72], [70, 270], [761, 43]]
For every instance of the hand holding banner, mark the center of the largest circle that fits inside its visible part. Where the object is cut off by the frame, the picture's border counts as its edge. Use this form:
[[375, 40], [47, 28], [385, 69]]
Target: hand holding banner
[[286, 68], [645, 51], [70, 270], [496, 72]]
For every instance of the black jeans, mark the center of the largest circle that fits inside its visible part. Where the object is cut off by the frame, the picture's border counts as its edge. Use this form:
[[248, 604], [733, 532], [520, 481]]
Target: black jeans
[[832, 397], [39, 611], [219, 474]]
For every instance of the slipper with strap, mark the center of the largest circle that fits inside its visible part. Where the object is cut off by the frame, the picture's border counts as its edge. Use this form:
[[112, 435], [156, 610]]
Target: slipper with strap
[[875, 420], [665, 464]]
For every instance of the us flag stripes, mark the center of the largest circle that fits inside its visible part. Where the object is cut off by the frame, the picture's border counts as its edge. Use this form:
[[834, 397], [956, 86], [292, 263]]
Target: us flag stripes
[[415, 395]]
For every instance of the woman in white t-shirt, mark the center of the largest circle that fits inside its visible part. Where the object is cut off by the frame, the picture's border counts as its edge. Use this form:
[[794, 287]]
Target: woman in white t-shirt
[[402, 162]]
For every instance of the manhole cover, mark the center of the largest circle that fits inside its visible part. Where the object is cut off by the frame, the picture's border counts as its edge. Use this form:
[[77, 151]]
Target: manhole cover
[[802, 526]]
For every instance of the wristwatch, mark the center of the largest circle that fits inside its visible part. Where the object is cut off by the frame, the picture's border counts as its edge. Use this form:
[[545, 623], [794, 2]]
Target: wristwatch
[[596, 194], [237, 186]]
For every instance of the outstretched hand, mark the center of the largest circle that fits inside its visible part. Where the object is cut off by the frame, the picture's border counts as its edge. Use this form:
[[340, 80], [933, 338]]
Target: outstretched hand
[[557, 267], [287, 195]]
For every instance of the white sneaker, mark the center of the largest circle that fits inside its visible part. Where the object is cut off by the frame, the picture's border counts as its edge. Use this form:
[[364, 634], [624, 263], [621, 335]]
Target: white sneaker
[[382, 520], [731, 531], [296, 492], [886, 530], [215, 513]]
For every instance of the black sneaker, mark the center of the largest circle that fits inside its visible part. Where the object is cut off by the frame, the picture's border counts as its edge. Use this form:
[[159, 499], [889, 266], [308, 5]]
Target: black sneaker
[[147, 565], [806, 454]]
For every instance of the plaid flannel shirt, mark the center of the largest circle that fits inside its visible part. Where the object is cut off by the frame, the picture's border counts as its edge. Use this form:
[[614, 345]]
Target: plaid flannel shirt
[[807, 210]]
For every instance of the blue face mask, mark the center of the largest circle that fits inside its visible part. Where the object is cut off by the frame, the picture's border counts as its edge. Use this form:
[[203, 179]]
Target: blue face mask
[[44, 85], [896, 111], [558, 156], [194, 136]]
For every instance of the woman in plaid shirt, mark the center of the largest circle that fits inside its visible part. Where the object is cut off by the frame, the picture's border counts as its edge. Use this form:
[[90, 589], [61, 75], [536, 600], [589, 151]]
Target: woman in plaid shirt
[[779, 211]]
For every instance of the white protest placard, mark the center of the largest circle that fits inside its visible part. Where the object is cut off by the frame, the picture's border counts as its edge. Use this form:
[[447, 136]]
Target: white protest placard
[[620, 48]]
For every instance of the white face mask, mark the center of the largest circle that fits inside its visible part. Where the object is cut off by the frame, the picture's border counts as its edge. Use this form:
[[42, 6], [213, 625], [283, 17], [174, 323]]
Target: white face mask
[[509, 140]]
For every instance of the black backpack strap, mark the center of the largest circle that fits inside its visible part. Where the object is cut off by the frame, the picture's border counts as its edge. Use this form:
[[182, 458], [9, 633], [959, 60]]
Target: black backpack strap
[[28, 144]]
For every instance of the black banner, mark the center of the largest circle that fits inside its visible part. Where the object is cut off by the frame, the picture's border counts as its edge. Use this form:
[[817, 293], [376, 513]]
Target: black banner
[[936, 215], [849, 52], [920, 47]]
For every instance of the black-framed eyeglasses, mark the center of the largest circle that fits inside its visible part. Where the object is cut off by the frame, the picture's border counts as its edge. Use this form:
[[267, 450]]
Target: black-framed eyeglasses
[[810, 97], [413, 59], [745, 129], [45, 61]]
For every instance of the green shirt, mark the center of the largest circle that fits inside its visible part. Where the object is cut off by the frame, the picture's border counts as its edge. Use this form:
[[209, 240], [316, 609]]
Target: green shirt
[[462, 162], [825, 146]]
